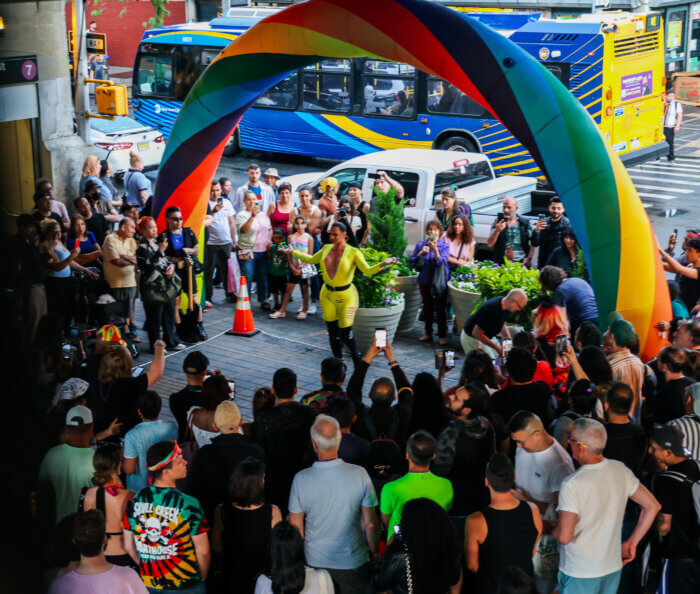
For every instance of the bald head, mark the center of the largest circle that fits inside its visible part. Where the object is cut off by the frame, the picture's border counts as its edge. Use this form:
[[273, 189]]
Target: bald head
[[325, 433], [510, 207], [515, 300]]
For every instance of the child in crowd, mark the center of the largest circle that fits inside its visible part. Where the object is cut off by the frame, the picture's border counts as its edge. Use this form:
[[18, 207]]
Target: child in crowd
[[302, 241], [278, 269]]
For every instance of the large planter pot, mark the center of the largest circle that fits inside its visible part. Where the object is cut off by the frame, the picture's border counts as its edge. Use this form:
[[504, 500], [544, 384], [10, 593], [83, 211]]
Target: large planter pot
[[412, 302], [367, 320], [462, 304]]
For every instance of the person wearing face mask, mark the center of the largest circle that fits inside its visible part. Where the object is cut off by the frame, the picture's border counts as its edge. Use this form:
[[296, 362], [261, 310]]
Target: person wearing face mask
[[93, 193], [510, 236], [548, 234]]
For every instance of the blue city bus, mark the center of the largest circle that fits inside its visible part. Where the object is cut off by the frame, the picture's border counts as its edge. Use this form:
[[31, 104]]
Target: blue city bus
[[342, 108]]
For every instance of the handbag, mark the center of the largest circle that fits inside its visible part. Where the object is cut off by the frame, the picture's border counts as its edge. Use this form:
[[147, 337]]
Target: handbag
[[159, 288], [308, 271], [189, 448], [233, 279], [246, 255], [438, 286]]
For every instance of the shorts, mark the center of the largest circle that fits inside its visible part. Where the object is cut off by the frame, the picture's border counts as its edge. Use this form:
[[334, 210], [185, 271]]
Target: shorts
[[297, 280], [126, 294], [606, 584], [276, 284]]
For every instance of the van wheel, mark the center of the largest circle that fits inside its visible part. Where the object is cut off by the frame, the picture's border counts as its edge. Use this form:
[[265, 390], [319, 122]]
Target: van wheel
[[233, 146], [458, 144]]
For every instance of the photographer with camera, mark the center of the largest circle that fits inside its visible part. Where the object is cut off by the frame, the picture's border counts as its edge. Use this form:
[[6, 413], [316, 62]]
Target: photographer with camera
[[344, 214], [510, 236]]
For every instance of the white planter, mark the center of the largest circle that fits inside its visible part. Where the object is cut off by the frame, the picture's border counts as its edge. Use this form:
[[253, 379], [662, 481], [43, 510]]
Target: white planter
[[408, 285], [462, 304], [367, 320]]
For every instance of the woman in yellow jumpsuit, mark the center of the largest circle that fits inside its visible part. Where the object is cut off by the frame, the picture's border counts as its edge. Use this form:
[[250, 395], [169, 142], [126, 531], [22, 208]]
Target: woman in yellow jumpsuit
[[339, 298]]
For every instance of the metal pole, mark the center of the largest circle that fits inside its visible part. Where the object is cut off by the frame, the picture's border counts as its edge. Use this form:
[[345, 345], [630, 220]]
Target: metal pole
[[82, 98]]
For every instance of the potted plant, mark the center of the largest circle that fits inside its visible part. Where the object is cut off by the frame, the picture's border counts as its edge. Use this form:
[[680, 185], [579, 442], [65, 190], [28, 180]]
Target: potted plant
[[381, 305], [495, 281], [463, 293], [389, 235]]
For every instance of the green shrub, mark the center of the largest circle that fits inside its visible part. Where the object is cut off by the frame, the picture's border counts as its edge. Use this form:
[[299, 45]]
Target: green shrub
[[388, 233], [377, 290]]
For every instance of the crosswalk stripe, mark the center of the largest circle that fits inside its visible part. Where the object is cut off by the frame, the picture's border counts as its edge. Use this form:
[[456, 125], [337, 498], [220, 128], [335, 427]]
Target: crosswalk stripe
[[679, 168], [666, 179], [679, 190], [658, 196]]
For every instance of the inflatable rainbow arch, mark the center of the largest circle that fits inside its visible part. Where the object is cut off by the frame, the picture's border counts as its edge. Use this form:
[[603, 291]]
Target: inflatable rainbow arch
[[601, 202]]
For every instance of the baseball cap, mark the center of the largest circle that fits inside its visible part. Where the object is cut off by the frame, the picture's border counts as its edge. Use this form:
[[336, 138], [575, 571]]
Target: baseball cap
[[78, 416], [623, 332], [196, 362], [357, 185], [227, 415], [110, 333], [271, 171], [694, 391], [670, 438]]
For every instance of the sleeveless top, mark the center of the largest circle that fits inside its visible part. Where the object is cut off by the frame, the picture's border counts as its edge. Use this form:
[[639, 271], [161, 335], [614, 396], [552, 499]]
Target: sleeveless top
[[246, 543], [359, 222], [510, 541], [201, 436], [279, 219], [65, 272], [299, 243]]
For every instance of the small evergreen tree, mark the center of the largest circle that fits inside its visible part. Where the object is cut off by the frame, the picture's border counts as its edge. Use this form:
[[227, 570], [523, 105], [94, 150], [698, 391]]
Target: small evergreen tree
[[388, 233]]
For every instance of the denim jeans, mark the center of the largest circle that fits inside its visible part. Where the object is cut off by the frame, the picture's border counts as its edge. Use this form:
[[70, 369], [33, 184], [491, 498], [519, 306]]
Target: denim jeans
[[256, 270], [200, 588]]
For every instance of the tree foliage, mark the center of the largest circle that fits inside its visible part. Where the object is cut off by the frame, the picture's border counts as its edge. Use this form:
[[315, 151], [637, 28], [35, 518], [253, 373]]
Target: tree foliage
[[388, 232], [160, 11]]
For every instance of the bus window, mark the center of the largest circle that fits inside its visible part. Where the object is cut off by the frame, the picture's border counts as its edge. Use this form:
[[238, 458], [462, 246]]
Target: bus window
[[208, 56], [284, 95], [445, 98], [560, 70], [388, 68], [389, 96], [154, 75], [327, 92]]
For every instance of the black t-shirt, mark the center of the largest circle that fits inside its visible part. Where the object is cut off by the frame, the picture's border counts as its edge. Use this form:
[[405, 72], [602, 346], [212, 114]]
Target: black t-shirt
[[627, 443], [676, 500], [117, 400], [490, 317], [98, 225], [264, 424], [52, 216], [668, 403], [181, 402], [690, 290], [535, 397]]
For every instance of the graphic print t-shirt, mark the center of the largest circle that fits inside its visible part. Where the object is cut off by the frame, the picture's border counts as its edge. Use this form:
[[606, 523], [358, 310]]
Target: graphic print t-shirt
[[163, 522]]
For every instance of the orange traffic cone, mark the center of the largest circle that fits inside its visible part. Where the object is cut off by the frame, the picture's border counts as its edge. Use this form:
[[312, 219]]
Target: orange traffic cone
[[243, 324]]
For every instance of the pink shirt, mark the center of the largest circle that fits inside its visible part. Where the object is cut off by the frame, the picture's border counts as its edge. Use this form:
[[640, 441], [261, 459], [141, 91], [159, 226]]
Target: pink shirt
[[117, 580], [456, 245]]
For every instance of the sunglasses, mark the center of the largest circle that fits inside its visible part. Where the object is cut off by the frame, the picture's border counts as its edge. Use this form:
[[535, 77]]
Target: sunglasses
[[175, 218], [573, 441]]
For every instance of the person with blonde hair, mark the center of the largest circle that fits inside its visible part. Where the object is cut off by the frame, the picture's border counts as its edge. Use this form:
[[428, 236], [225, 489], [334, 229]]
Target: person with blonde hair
[[117, 390], [91, 172], [136, 184]]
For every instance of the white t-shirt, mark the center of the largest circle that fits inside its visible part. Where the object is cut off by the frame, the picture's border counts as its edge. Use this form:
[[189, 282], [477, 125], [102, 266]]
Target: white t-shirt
[[220, 230], [598, 493], [671, 115], [539, 474], [318, 581]]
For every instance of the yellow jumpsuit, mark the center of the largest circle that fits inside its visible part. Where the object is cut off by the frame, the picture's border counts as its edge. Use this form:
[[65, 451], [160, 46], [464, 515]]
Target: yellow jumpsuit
[[339, 306]]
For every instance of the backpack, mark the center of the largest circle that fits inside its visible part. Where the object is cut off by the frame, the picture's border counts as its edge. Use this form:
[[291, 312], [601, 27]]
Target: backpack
[[385, 459], [695, 494]]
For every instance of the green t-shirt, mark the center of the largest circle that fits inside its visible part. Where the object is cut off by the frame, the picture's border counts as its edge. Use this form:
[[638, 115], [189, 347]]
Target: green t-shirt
[[163, 522], [413, 485], [68, 469], [279, 264]]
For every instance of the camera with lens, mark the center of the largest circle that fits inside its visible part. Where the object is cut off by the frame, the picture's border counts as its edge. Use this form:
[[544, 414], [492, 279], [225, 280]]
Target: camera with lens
[[342, 211]]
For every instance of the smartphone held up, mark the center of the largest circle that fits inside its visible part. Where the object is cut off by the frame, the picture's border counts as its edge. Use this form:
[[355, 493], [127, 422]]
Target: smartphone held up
[[380, 338]]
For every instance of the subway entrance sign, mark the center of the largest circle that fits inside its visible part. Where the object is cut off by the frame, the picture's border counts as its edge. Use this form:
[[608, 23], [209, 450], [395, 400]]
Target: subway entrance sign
[[18, 69]]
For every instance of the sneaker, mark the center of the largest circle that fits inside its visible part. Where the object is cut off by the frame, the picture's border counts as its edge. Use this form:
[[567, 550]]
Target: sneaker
[[312, 309], [178, 347], [208, 305], [254, 288]]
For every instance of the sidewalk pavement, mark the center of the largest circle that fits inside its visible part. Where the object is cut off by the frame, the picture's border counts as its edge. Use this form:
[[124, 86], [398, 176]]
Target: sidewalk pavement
[[286, 342]]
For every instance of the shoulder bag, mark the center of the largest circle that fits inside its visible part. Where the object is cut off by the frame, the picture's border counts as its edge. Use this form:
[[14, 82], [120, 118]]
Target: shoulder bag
[[438, 286]]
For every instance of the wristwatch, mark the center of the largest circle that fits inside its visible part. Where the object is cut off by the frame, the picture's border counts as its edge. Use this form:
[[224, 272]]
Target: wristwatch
[[392, 363]]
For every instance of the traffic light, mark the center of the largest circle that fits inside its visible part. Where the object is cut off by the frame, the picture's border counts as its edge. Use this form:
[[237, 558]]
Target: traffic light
[[111, 100]]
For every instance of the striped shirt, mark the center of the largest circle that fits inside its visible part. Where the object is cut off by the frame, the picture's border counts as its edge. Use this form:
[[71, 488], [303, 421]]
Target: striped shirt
[[629, 369], [689, 426]]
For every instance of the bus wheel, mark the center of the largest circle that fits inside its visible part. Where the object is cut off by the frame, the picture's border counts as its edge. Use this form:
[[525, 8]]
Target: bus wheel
[[458, 144], [233, 146]]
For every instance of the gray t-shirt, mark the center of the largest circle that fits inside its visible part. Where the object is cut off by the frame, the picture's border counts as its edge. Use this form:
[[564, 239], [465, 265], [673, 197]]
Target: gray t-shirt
[[330, 495]]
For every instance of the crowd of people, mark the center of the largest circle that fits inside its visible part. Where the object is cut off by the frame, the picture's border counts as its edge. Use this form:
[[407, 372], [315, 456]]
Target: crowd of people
[[558, 461]]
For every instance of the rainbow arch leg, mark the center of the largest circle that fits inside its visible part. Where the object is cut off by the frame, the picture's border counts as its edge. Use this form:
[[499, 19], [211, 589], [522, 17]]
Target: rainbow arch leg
[[602, 204]]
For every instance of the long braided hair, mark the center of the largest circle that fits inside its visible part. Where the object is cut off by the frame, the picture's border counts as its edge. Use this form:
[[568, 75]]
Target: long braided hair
[[431, 545]]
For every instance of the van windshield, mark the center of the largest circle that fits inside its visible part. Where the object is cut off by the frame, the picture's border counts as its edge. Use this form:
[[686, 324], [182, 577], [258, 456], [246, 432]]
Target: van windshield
[[461, 177]]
